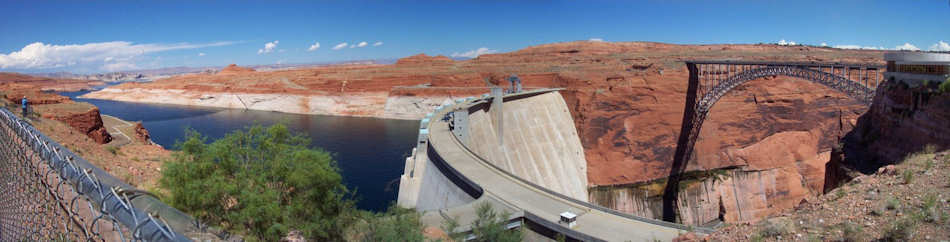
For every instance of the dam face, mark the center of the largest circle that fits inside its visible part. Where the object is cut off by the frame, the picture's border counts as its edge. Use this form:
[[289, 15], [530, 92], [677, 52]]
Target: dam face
[[538, 143], [521, 154]]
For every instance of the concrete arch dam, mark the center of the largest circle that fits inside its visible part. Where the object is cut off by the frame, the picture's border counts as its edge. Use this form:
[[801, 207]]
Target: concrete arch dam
[[521, 154]]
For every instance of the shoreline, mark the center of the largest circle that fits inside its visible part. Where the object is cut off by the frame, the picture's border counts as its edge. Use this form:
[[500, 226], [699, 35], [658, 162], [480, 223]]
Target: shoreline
[[362, 104]]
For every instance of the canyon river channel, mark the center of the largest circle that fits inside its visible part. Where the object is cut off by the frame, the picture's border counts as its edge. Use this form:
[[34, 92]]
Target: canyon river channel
[[370, 152]]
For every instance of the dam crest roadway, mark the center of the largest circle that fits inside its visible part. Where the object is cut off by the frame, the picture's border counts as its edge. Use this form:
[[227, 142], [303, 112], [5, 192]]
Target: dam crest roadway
[[520, 153]]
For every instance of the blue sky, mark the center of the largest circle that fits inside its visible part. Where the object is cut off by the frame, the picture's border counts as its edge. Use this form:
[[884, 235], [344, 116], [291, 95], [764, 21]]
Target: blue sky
[[44, 36]]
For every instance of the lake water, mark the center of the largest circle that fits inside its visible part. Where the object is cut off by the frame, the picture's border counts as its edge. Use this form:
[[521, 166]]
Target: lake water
[[370, 152]]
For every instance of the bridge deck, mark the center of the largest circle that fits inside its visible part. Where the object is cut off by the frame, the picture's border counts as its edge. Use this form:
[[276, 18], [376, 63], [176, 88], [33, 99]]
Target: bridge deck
[[777, 63], [520, 196]]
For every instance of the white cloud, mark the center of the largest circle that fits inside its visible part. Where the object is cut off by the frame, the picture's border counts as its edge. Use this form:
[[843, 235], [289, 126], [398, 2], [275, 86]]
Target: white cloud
[[783, 42], [940, 46], [110, 56], [340, 46], [119, 66], [906, 46], [268, 47], [362, 44], [858, 47], [378, 43], [824, 44], [201, 54], [474, 53], [314, 46], [596, 40]]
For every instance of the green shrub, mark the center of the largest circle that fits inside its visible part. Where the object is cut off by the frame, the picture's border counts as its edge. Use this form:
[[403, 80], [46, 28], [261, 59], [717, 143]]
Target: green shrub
[[929, 149], [758, 237], [840, 193], [397, 224], [900, 230], [112, 149], [775, 227], [851, 232], [907, 176], [929, 210], [262, 182], [893, 203], [945, 86], [878, 210], [488, 226]]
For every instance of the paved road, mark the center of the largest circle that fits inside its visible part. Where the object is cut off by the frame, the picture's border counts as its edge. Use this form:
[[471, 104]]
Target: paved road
[[519, 196]]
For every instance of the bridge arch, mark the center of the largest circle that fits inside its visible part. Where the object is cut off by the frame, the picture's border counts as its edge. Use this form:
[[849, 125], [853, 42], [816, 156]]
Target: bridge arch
[[709, 81], [852, 88]]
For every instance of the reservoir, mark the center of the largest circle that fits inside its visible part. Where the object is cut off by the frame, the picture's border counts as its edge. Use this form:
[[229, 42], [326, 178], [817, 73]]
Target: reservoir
[[370, 152]]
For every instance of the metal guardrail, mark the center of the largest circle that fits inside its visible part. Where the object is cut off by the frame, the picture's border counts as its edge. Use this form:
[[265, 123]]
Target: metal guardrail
[[48, 193], [480, 104]]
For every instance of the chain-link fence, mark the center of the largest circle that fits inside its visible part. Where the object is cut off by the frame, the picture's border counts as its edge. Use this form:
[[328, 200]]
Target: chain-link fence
[[48, 193]]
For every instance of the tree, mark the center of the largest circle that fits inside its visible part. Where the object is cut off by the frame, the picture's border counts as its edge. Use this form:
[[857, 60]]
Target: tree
[[397, 224], [488, 226], [263, 182], [945, 86]]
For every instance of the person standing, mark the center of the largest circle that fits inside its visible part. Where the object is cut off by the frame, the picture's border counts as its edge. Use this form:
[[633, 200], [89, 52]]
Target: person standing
[[25, 103]]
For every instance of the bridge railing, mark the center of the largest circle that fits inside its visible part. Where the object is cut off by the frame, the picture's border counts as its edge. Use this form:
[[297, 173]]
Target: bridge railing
[[48, 193]]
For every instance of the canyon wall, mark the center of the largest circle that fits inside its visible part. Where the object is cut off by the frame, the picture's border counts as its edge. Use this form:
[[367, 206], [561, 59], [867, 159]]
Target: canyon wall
[[790, 171], [903, 119], [762, 150], [626, 100], [364, 104], [16, 81]]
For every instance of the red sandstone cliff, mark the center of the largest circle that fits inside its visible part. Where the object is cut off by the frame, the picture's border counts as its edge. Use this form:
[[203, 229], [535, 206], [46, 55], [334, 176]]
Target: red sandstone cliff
[[82, 117], [17, 81], [902, 120], [34, 97], [423, 59], [627, 102], [626, 98], [233, 69], [141, 134]]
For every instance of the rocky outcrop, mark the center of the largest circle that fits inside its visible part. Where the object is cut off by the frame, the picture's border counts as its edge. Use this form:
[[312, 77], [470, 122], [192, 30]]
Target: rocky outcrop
[[83, 117], [141, 134], [233, 69], [16, 81], [423, 59], [771, 176], [34, 97], [902, 120]]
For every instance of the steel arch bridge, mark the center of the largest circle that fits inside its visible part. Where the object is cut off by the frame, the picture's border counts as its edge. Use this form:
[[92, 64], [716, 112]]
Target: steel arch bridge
[[711, 80]]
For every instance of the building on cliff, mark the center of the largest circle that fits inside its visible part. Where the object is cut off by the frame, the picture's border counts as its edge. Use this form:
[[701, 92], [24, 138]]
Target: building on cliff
[[915, 68], [909, 111]]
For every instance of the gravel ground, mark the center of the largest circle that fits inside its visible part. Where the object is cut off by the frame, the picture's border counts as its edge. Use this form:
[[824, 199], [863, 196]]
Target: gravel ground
[[905, 202]]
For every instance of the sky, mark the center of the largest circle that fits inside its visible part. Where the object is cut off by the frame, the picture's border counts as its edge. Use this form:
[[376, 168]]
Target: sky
[[105, 36]]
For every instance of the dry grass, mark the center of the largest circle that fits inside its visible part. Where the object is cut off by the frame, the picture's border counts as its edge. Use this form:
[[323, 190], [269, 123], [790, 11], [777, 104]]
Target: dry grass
[[912, 207], [136, 164]]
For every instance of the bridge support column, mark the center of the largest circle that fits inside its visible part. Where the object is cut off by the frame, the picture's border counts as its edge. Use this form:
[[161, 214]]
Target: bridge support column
[[682, 155], [709, 81]]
